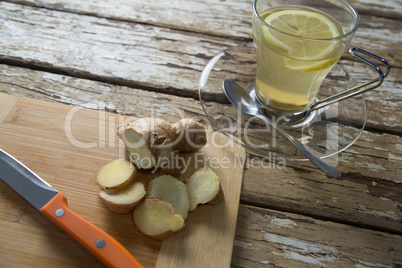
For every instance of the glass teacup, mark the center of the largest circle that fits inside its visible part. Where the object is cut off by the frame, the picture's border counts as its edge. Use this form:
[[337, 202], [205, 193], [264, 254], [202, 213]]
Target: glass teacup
[[297, 43]]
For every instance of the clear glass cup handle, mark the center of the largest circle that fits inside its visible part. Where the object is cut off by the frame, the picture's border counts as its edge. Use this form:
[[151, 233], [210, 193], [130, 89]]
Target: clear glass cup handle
[[359, 89]]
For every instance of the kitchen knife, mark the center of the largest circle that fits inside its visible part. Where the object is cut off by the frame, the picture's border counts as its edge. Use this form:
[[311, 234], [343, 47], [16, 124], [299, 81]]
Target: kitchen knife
[[53, 204]]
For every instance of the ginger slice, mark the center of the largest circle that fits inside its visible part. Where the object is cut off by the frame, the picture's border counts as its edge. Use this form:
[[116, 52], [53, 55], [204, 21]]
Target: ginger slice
[[126, 199], [115, 175], [171, 190], [203, 187], [157, 219]]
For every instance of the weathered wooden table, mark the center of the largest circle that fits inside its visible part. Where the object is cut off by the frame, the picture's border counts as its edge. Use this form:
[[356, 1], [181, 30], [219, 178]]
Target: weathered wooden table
[[130, 56]]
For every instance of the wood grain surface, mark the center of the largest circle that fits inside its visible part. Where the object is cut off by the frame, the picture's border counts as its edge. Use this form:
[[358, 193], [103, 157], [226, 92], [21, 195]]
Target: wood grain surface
[[67, 148], [141, 58]]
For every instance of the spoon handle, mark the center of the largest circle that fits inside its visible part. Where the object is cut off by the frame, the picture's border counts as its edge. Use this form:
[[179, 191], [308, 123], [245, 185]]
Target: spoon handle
[[321, 164]]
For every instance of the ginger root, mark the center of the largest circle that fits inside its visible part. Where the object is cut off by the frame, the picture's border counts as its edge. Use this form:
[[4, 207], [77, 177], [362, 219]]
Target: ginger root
[[115, 175], [171, 190], [126, 199], [157, 219], [203, 188], [192, 135], [150, 141]]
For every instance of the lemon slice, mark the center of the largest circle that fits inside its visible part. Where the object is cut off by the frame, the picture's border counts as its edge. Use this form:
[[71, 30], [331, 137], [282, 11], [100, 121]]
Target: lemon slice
[[313, 50]]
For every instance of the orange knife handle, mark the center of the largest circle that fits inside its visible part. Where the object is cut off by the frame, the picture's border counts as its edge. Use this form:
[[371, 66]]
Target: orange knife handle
[[99, 243]]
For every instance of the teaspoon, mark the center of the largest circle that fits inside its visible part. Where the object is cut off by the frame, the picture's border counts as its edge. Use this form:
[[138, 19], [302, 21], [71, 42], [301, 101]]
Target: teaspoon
[[243, 102]]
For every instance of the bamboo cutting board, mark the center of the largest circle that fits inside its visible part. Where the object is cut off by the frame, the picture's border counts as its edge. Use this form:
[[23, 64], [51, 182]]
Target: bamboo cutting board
[[66, 146]]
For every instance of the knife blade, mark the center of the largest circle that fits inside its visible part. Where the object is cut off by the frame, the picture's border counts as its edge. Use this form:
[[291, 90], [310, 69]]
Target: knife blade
[[53, 205]]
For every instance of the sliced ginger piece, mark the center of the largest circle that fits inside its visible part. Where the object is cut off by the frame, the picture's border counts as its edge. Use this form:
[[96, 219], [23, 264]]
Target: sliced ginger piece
[[171, 190], [140, 152], [203, 188], [126, 199], [157, 219], [115, 175]]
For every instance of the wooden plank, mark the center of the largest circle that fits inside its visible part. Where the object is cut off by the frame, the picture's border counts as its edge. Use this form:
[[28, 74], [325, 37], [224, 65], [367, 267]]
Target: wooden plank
[[124, 53], [366, 194], [211, 16], [380, 36], [387, 9], [209, 20], [66, 147], [383, 103], [267, 238], [94, 95]]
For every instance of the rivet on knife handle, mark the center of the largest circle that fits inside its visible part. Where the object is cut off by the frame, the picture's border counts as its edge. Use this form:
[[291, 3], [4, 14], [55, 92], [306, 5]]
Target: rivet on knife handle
[[99, 243]]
